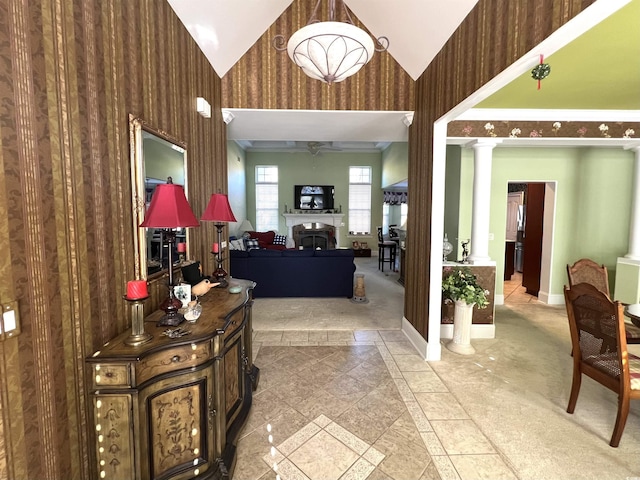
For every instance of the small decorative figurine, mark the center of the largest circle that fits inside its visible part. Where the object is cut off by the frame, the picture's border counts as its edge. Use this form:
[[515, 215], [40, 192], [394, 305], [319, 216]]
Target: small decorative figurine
[[465, 251]]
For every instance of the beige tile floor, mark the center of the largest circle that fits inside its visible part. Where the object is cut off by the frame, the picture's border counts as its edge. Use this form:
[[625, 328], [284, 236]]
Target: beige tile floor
[[343, 395]]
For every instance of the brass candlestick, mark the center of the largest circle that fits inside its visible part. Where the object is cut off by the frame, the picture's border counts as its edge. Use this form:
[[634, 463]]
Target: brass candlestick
[[138, 335]]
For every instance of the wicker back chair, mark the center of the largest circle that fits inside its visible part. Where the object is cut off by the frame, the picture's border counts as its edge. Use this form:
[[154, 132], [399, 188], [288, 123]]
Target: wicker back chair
[[588, 271], [600, 349]]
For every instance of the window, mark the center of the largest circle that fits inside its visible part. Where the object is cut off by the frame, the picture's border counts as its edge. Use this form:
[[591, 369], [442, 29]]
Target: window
[[360, 199], [404, 210], [266, 198]]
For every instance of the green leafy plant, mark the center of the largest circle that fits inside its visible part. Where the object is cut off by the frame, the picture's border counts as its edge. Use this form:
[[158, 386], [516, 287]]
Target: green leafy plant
[[461, 284]]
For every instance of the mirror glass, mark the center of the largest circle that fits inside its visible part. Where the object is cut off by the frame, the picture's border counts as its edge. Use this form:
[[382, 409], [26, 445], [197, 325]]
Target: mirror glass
[[155, 157]]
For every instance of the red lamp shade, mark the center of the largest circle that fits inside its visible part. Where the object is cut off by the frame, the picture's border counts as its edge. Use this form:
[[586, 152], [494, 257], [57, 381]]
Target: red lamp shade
[[218, 209], [169, 208]]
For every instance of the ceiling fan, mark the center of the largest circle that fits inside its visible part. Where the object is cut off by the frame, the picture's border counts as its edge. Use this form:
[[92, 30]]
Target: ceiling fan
[[315, 148]]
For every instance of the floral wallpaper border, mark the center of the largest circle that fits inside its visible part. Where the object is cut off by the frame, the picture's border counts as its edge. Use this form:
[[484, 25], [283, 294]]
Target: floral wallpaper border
[[520, 129]]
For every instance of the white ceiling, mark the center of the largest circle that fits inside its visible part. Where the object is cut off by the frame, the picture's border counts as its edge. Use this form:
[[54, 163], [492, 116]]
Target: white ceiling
[[417, 29]]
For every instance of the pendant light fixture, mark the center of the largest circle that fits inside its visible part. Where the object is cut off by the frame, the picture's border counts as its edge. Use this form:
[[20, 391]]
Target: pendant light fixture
[[331, 51]]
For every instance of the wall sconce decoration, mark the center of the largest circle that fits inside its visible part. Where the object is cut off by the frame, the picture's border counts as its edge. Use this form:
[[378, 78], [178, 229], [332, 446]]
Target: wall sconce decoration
[[9, 321], [203, 107], [169, 209], [218, 210]]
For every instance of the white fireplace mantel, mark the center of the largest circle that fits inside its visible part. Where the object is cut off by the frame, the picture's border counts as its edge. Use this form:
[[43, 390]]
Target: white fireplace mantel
[[335, 219]]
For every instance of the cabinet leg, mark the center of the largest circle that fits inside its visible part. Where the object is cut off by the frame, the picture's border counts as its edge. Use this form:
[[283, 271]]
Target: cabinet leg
[[254, 375]]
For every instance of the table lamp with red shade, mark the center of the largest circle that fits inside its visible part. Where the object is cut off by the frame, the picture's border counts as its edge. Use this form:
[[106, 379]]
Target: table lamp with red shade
[[218, 210], [168, 210]]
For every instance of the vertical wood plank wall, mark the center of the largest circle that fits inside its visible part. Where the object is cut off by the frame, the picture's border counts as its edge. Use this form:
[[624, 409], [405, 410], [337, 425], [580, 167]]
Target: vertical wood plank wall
[[72, 71]]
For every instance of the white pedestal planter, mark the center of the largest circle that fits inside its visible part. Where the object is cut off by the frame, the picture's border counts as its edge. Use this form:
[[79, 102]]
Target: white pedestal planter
[[461, 342]]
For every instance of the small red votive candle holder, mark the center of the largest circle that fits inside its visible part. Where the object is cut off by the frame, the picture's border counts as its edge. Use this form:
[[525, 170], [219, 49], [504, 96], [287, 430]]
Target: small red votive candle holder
[[137, 289]]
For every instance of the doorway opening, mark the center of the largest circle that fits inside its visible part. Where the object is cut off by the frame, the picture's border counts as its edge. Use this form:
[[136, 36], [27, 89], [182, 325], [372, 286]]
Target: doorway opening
[[528, 242]]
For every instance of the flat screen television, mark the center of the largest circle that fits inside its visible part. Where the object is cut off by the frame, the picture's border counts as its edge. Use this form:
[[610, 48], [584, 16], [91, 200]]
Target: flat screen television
[[313, 197]]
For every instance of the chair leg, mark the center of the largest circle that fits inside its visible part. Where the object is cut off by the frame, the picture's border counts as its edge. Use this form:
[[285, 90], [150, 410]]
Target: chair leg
[[621, 420], [575, 390]]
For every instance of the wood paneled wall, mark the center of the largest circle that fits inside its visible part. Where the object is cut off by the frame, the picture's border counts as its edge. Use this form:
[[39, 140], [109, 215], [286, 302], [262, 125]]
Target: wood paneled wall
[[494, 35], [72, 71], [266, 78]]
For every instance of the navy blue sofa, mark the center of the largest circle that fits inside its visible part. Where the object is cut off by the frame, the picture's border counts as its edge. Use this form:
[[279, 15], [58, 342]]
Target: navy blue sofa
[[296, 273]]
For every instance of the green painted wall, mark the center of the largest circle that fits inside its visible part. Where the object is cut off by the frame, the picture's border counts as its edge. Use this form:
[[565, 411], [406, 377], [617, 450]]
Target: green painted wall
[[593, 202], [327, 168], [237, 185], [395, 164], [452, 198]]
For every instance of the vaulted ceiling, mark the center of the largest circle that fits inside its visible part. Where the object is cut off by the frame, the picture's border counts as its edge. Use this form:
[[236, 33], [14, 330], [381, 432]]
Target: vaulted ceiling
[[598, 70]]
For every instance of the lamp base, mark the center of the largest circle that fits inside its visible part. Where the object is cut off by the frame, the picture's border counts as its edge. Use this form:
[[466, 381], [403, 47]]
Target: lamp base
[[172, 317], [138, 339]]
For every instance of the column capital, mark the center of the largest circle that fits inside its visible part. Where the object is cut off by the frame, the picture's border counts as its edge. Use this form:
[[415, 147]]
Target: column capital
[[635, 146], [483, 142]]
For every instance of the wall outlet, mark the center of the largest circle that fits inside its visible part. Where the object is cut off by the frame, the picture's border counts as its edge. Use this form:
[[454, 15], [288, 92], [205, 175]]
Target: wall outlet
[[223, 244], [491, 236]]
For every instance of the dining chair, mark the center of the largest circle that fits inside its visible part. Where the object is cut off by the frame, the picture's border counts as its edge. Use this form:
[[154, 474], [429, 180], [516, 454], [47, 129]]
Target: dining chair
[[383, 247], [600, 349], [586, 270]]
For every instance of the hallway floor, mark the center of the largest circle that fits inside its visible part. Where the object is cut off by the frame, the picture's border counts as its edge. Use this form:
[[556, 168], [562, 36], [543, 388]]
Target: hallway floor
[[344, 395]]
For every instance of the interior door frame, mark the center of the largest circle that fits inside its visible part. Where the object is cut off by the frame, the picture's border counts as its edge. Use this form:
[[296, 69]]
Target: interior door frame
[[548, 229]]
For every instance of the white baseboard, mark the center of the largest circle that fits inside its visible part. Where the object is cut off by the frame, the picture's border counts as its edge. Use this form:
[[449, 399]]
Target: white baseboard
[[429, 351], [554, 299], [477, 330]]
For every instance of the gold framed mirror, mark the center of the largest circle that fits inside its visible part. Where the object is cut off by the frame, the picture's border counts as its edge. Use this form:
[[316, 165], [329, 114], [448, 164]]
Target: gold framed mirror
[[155, 156]]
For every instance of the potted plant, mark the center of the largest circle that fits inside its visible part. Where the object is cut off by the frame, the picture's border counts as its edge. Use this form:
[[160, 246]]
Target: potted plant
[[461, 286]]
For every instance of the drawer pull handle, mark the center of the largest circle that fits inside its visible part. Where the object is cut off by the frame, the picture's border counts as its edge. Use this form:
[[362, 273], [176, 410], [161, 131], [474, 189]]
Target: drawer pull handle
[[175, 358], [108, 374]]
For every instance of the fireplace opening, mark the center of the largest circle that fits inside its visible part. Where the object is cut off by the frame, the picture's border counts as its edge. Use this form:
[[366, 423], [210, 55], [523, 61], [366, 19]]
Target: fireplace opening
[[314, 236]]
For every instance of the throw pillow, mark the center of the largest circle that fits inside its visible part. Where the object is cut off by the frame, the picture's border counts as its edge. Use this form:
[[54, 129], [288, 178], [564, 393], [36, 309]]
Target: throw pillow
[[237, 244], [251, 243], [280, 240], [264, 238]]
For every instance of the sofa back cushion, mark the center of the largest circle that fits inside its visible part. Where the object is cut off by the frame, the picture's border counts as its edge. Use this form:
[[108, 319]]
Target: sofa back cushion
[[265, 253], [297, 253], [338, 252]]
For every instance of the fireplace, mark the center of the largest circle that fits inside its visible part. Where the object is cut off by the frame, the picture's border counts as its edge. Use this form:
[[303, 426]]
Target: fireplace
[[314, 236], [315, 223]]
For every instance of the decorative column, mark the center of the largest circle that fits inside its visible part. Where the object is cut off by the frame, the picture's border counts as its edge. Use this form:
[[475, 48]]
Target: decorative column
[[634, 225], [627, 285], [482, 160]]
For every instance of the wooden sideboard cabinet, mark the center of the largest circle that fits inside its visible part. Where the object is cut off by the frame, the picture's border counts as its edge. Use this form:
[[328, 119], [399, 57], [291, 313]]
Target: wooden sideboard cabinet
[[173, 407]]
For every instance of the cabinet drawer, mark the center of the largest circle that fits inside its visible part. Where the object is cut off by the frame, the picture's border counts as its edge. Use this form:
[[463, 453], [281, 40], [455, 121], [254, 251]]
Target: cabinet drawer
[[111, 375], [176, 358], [235, 324]]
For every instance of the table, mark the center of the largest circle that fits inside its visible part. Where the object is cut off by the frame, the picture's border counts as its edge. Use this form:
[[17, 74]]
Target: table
[[633, 312]]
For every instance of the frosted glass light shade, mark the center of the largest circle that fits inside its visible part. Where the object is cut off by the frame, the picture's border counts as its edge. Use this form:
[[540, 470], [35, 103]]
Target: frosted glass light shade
[[330, 51]]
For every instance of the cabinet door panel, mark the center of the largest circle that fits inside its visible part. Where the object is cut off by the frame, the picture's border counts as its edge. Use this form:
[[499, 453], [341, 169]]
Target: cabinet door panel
[[114, 436], [233, 377], [177, 413]]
